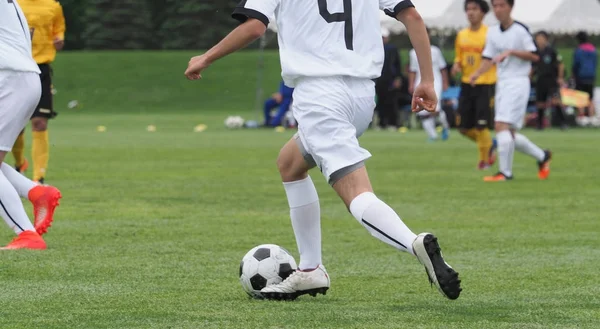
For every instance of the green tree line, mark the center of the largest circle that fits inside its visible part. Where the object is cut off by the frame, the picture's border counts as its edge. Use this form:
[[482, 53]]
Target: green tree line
[[146, 24]]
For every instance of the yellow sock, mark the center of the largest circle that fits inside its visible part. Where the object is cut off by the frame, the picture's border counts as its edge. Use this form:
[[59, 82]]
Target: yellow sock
[[40, 154], [18, 150], [484, 143], [473, 134]]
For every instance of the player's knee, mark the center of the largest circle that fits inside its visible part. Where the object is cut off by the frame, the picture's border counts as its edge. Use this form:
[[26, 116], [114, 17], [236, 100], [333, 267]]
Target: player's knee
[[290, 167], [39, 124]]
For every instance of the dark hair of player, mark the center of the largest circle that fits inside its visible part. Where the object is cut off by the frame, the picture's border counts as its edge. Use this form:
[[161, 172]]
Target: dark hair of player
[[582, 37], [543, 33], [509, 2], [483, 5]]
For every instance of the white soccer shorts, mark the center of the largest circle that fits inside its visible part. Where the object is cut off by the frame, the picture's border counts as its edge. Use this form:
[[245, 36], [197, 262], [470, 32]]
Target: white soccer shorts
[[20, 93], [512, 96], [332, 112]]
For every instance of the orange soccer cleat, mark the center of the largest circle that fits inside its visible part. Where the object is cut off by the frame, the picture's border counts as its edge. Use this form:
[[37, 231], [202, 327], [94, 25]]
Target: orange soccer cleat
[[544, 166], [26, 240], [499, 177], [22, 168], [45, 199]]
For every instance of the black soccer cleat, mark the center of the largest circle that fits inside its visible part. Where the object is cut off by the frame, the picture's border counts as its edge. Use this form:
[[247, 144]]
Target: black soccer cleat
[[440, 274]]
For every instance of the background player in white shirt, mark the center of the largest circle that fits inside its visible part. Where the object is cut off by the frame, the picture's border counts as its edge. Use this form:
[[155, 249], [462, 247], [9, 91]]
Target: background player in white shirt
[[440, 75], [511, 47], [20, 91], [330, 51]]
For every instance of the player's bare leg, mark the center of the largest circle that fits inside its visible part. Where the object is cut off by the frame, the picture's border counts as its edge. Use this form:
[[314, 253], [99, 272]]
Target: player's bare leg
[[311, 277], [383, 223], [13, 213]]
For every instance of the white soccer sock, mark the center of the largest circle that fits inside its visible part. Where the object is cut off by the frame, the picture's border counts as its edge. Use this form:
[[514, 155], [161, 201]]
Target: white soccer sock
[[21, 183], [523, 144], [382, 221], [306, 221], [11, 207], [506, 151], [444, 119], [429, 126]]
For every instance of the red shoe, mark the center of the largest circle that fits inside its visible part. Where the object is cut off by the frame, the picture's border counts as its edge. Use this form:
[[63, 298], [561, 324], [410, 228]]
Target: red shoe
[[499, 177], [22, 168], [45, 199], [27, 240], [544, 166]]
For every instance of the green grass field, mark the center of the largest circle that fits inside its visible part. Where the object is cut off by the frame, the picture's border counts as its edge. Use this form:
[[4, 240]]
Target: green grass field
[[152, 226]]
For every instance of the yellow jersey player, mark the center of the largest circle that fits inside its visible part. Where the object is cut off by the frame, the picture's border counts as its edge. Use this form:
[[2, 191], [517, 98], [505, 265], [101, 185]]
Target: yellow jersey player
[[47, 28], [475, 103]]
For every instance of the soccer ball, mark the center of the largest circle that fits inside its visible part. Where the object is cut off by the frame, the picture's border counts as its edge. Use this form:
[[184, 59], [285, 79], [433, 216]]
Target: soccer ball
[[234, 122], [265, 265]]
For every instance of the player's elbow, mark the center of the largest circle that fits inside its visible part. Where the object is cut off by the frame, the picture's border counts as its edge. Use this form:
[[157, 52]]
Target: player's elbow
[[255, 28], [409, 15]]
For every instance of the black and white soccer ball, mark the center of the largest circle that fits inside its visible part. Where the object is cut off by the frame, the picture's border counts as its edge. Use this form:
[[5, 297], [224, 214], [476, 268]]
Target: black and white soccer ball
[[265, 265]]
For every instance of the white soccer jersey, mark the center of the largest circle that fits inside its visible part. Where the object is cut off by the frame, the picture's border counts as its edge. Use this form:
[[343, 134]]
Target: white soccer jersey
[[15, 40], [323, 38], [516, 37], [439, 64]]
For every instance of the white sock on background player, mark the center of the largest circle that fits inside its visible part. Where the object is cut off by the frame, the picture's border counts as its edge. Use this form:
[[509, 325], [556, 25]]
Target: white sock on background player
[[523, 144], [506, 151], [21, 183], [11, 207], [444, 119], [382, 221], [306, 220], [429, 127]]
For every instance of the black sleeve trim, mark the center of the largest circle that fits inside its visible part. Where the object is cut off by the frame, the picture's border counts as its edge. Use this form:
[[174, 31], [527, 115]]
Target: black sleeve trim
[[485, 57], [399, 8], [242, 15]]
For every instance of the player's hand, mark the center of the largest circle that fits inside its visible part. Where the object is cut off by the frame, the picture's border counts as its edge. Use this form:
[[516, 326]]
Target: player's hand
[[473, 78], [195, 67], [561, 83], [397, 83], [424, 98], [456, 69], [277, 97], [500, 58], [59, 43]]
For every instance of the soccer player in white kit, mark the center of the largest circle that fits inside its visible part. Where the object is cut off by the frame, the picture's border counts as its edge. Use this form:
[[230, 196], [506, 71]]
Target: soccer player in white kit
[[330, 51], [20, 91], [440, 76], [511, 47]]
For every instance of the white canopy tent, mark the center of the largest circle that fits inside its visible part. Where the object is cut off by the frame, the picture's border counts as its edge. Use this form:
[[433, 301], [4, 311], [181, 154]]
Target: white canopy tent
[[554, 16]]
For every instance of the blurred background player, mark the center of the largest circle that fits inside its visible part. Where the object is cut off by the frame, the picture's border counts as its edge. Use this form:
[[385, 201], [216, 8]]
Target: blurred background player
[[281, 99], [387, 85], [440, 73], [47, 28], [585, 63], [20, 91], [475, 102], [550, 74], [511, 47]]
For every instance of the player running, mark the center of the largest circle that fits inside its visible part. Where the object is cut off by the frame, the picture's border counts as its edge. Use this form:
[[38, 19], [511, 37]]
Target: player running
[[440, 75], [475, 102], [19, 94], [510, 46], [47, 26], [330, 52]]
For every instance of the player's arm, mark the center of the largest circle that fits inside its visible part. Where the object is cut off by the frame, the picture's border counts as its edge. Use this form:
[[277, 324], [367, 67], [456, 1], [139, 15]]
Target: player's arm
[[457, 66], [529, 51], [58, 27], [253, 14], [420, 41], [561, 70]]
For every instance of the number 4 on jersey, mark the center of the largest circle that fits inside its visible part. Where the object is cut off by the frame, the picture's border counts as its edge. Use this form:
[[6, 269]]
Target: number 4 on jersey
[[345, 17]]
